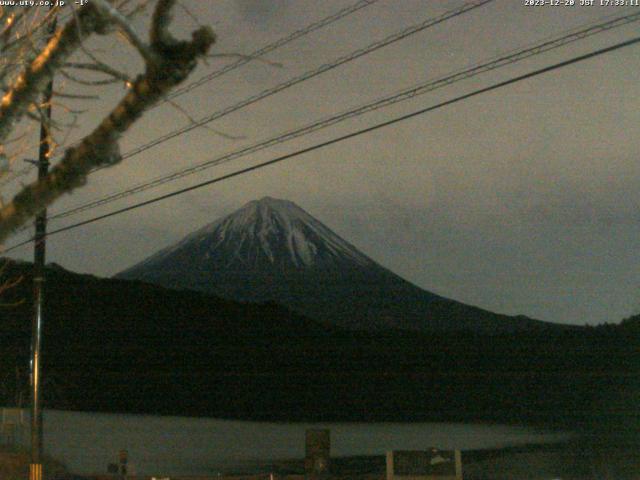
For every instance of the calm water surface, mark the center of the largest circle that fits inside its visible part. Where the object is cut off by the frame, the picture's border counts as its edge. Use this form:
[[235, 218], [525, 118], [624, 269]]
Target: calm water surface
[[88, 442]]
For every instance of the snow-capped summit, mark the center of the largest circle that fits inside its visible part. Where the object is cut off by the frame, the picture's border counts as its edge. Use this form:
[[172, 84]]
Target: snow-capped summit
[[272, 250], [279, 232]]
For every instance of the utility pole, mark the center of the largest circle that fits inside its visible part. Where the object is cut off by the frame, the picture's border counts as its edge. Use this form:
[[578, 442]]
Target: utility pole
[[35, 468]]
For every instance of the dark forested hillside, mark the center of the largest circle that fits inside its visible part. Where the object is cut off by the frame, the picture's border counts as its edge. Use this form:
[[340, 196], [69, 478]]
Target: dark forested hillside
[[116, 345]]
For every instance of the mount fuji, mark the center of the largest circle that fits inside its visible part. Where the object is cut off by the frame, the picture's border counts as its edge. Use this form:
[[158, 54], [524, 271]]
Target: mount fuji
[[271, 250]]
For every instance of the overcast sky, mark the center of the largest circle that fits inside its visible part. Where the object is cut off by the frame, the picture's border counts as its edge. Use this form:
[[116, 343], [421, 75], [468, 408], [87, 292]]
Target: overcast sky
[[521, 201]]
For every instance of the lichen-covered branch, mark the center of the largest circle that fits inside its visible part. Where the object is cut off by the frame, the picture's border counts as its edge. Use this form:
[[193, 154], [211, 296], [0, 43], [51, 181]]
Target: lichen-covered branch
[[159, 35], [173, 61]]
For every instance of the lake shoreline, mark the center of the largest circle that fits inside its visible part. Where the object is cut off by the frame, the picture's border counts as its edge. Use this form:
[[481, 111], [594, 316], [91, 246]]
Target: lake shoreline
[[577, 458], [88, 442]]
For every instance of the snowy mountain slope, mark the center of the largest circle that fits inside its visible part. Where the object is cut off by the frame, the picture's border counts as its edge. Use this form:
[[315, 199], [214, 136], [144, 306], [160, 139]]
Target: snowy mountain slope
[[269, 231], [271, 250]]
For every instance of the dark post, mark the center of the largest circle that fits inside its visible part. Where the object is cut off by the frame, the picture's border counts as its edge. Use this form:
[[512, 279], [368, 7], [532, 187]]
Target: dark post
[[123, 458], [317, 454], [35, 470]]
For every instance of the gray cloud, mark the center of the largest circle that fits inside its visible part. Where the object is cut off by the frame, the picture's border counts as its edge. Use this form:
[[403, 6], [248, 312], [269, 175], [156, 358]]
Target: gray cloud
[[261, 12]]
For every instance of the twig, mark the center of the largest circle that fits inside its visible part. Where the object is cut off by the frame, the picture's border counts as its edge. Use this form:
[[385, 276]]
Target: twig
[[92, 83], [76, 96], [102, 68], [160, 36], [32, 81], [121, 21], [174, 61], [193, 121]]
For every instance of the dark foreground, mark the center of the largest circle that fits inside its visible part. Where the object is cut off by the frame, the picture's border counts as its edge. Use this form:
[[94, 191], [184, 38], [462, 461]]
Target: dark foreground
[[579, 459], [120, 346]]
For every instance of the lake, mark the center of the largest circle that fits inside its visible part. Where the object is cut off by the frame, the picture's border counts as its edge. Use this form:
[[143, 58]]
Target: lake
[[88, 442]]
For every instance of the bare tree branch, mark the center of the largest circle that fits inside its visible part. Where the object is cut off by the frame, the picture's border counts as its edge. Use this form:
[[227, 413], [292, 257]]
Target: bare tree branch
[[193, 121], [32, 81], [76, 96], [81, 81], [101, 68], [160, 35], [9, 284], [171, 64], [123, 23]]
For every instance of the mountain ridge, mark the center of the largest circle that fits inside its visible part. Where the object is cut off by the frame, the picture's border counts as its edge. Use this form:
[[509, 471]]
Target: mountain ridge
[[129, 346], [252, 215], [271, 250]]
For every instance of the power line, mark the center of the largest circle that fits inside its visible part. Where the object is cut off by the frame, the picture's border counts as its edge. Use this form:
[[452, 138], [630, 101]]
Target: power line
[[333, 141], [273, 46], [311, 74], [323, 22], [425, 87]]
